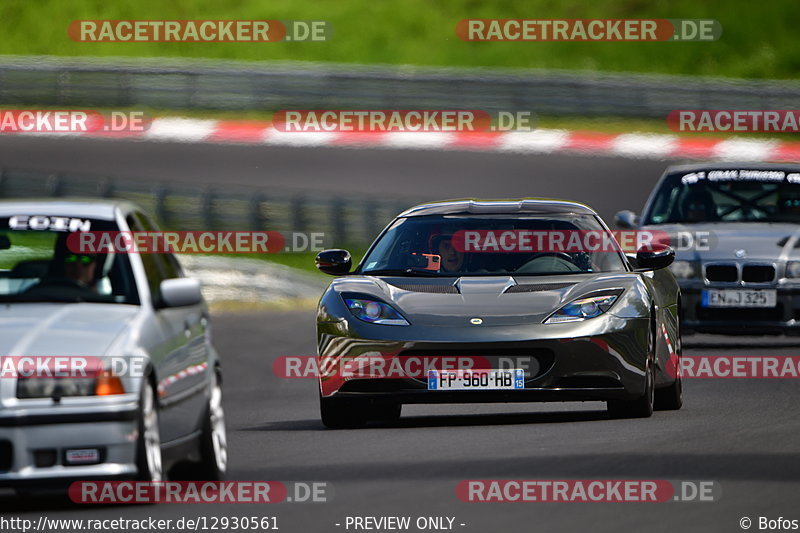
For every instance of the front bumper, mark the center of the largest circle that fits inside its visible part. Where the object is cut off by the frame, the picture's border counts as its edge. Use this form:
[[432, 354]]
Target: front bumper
[[784, 318], [33, 445], [561, 362]]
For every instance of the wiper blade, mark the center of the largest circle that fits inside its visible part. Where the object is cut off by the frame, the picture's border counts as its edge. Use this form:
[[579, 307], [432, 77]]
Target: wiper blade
[[410, 271]]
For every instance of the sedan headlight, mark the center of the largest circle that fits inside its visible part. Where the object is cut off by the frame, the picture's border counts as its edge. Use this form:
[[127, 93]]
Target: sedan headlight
[[793, 269], [683, 269], [48, 387], [583, 308], [375, 312]]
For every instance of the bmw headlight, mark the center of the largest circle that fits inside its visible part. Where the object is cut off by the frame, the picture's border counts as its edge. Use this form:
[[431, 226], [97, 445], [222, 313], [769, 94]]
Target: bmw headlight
[[683, 269], [583, 308], [375, 312], [793, 269]]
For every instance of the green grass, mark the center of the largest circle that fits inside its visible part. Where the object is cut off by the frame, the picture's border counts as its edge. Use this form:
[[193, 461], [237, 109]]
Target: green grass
[[301, 260], [759, 39]]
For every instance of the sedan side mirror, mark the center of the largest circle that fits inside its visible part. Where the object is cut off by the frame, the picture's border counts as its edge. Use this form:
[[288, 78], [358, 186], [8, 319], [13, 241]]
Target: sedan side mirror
[[180, 292], [654, 257], [626, 219], [334, 262]]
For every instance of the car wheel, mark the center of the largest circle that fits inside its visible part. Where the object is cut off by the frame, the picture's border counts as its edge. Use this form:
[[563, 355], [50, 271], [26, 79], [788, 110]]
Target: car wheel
[[386, 411], [670, 398], [641, 407], [148, 447], [340, 413], [214, 439]]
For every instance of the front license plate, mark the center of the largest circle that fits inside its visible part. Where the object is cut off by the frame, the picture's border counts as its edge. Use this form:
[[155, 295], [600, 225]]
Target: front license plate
[[740, 298], [476, 379]]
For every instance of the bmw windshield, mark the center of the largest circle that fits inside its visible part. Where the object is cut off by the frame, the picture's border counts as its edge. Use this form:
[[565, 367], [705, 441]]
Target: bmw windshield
[[36, 265], [483, 245], [731, 195]]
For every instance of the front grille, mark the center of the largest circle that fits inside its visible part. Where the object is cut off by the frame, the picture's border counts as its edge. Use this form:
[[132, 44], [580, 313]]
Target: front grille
[[437, 288], [537, 287], [758, 273], [764, 314], [726, 273], [6, 455]]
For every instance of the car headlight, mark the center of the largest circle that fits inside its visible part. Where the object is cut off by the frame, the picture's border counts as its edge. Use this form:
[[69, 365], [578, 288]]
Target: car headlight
[[583, 308], [47, 387], [793, 269], [683, 269], [375, 312]]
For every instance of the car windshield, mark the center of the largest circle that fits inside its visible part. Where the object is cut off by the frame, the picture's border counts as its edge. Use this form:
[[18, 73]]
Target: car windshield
[[492, 245], [727, 196], [36, 264]]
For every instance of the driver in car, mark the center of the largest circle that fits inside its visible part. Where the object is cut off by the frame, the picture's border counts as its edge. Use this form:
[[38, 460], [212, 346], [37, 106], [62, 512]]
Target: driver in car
[[81, 268], [698, 206], [68, 272], [452, 259]]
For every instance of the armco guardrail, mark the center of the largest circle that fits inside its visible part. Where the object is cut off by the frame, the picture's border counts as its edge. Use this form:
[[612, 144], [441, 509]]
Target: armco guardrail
[[201, 84], [353, 221]]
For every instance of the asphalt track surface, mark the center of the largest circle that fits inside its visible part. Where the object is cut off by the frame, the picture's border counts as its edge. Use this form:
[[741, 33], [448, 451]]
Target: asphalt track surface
[[743, 434], [608, 184]]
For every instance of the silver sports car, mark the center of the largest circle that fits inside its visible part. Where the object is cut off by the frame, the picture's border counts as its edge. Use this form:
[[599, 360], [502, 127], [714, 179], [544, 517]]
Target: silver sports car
[[522, 296], [154, 399], [736, 232]]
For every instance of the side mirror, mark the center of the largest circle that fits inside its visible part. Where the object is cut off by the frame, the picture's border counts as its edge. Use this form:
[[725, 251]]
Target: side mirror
[[334, 262], [626, 219], [180, 292], [654, 257]]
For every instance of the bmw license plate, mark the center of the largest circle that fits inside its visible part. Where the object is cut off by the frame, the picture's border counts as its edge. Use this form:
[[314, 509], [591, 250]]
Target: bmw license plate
[[740, 298], [476, 379]]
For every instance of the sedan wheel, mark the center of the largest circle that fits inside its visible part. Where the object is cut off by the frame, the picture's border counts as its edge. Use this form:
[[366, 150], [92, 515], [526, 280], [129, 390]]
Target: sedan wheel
[[214, 445], [148, 456]]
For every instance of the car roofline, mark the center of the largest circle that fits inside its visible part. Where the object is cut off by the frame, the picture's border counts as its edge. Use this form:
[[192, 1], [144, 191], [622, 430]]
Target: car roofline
[[521, 206], [98, 208]]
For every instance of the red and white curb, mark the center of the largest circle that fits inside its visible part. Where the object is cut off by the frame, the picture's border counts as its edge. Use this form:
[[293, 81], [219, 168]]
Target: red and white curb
[[633, 145]]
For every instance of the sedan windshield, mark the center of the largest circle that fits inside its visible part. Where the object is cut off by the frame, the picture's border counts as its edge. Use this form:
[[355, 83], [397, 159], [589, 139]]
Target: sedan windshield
[[492, 245], [727, 196], [36, 264]]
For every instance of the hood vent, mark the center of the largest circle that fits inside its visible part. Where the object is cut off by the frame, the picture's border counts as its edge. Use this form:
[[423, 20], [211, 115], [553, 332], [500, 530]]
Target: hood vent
[[426, 287], [537, 287]]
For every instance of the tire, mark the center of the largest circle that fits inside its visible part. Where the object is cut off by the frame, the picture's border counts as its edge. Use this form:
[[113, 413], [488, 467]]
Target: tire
[[214, 440], [641, 407], [343, 413], [148, 444], [386, 412], [670, 398]]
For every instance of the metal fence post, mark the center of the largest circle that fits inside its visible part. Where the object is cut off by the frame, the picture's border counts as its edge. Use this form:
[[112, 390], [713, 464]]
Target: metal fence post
[[162, 213], [53, 186], [370, 224], [105, 188], [297, 206], [258, 221], [337, 216], [207, 208]]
